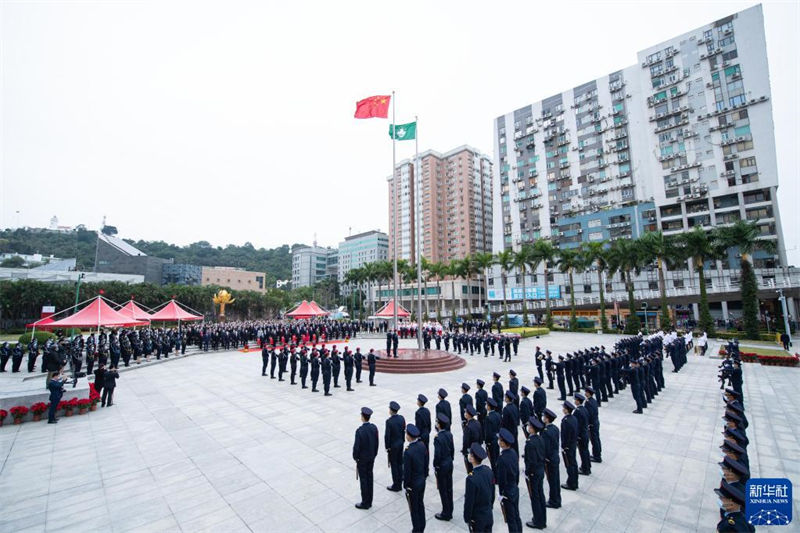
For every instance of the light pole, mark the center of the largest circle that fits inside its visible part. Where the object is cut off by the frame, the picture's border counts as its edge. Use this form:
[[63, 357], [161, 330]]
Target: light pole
[[78, 288], [782, 298]]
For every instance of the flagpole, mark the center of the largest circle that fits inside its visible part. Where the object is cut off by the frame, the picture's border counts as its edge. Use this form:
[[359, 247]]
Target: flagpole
[[396, 207], [418, 219]]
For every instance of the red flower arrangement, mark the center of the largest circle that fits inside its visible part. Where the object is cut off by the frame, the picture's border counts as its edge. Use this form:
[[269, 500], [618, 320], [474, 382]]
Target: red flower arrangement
[[62, 405], [39, 408], [73, 403], [19, 412], [83, 405], [3, 415]]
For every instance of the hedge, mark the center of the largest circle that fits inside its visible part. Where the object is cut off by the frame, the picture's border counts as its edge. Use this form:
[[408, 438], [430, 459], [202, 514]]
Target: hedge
[[527, 332], [741, 335], [41, 336]]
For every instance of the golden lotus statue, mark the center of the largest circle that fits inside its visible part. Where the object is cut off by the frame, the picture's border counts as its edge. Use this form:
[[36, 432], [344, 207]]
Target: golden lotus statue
[[223, 298]]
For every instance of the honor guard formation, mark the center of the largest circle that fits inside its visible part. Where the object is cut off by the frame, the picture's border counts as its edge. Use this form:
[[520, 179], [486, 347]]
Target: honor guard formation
[[490, 421]]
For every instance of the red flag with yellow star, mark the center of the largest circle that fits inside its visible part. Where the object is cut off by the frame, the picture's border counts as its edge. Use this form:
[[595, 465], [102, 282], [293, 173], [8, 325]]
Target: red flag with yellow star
[[373, 107]]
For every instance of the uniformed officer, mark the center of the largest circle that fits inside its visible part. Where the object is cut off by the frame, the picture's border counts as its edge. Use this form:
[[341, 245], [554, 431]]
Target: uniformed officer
[[326, 374], [371, 360], [480, 400], [594, 425], [534, 473], [539, 398], [443, 406], [293, 365], [415, 470], [443, 455], [513, 386], [273, 362], [357, 358], [508, 481], [463, 402], [336, 367], [551, 437], [539, 358], [314, 371], [365, 449], [479, 492], [510, 419], [472, 433], [560, 378], [525, 409], [393, 441], [303, 368], [490, 431], [582, 416], [569, 445], [283, 359], [497, 389], [348, 369], [264, 359], [731, 501], [422, 419]]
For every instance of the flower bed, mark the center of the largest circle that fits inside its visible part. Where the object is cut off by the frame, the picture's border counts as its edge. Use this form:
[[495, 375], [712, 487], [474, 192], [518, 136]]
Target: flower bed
[[38, 409], [769, 360]]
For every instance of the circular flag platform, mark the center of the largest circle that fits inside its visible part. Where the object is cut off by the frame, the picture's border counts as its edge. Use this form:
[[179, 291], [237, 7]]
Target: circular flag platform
[[414, 361]]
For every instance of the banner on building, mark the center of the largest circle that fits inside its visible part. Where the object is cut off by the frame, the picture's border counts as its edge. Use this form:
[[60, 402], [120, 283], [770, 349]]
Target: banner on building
[[533, 293]]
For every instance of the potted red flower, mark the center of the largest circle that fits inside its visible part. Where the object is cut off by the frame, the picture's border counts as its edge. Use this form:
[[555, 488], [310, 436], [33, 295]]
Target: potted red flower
[[38, 410], [19, 412], [3, 415], [94, 399], [83, 405], [69, 406]]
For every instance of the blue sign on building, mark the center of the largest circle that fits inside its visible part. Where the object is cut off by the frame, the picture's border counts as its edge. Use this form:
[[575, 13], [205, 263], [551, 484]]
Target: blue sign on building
[[533, 293]]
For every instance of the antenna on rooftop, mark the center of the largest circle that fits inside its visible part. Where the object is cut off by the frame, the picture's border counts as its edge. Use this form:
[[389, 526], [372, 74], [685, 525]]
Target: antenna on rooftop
[[315, 239]]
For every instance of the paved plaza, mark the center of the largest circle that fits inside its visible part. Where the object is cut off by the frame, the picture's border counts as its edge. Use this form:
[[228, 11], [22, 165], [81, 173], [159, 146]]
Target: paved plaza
[[207, 443]]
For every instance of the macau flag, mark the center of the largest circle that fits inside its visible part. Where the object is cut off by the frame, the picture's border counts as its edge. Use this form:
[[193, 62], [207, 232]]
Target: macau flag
[[403, 132]]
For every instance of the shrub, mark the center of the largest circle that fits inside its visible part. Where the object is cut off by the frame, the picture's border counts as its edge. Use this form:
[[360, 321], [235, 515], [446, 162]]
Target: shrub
[[41, 336]]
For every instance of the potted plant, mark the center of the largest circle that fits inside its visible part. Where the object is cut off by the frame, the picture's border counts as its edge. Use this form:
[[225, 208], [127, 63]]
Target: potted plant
[[94, 399], [38, 410], [83, 405], [69, 406], [19, 412], [3, 415]]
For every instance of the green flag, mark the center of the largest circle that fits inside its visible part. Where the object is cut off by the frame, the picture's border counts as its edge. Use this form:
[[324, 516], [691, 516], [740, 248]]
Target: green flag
[[403, 132]]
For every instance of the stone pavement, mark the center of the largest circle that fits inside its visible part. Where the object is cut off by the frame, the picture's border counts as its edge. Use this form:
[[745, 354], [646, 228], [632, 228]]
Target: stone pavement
[[207, 443]]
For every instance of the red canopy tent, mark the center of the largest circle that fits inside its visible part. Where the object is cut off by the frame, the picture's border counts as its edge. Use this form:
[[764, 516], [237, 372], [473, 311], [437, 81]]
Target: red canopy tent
[[172, 312], [134, 311], [306, 310], [318, 309], [42, 323], [98, 313], [387, 311]]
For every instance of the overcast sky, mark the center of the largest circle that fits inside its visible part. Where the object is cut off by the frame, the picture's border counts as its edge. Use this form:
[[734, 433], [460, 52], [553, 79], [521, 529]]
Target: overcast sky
[[233, 121]]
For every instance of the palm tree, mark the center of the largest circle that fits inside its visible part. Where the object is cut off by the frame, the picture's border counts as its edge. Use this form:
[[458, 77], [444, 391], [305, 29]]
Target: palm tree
[[522, 259], [570, 259], [544, 253], [699, 247], [661, 250], [483, 261], [505, 259], [426, 273], [626, 256], [747, 238], [438, 270], [594, 253]]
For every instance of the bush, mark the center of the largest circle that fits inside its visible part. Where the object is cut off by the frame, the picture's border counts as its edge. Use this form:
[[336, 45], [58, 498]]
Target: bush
[[770, 337], [41, 336], [527, 332]]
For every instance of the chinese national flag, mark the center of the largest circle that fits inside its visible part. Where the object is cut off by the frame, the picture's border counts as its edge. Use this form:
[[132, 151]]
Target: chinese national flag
[[373, 107]]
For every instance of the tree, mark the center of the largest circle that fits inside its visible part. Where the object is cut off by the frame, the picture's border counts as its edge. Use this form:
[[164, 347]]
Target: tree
[[544, 253], [522, 260], [746, 237], [465, 270], [13, 262], [505, 259], [570, 259], [438, 270], [484, 261], [626, 255], [699, 247], [595, 253], [662, 251]]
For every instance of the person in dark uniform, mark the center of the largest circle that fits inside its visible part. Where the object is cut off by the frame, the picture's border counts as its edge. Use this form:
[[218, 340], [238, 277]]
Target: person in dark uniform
[[16, 357], [539, 398], [273, 362], [56, 387], [472, 433], [336, 367], [395, 340], [389, 343], [497, 389], [264, 360], [109, 384], [293, 365], [560, 378], [443, 407], [5, 353], [422, 419], [365, 449], [357, 358], [594, 426], [479, 492], [552, 449], [539, 357], [510, 419], [348, 369], [534, 473], [393, 441], [283, 360], [443, 455], [326, 374], [315, 363], [731, 501], [525, 409], [569, 445], [513, 386], [490, 431], [480, 401], [371, 359], [415, 470], [550, 367], [508, 481], [303, 368], [33, 353], [463, 402], [100, 378], [582, 416]]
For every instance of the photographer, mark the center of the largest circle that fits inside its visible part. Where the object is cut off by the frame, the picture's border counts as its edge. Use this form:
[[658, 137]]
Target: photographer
[[109, 384], [56, 387]]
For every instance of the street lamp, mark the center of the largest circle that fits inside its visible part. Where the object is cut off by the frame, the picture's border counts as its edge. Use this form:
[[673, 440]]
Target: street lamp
[[782, 298]]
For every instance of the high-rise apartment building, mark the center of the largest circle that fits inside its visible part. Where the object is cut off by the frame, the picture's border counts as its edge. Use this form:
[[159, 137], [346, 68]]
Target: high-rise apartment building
[[361, 249], [311, 264], [455, 205], [683, 138]]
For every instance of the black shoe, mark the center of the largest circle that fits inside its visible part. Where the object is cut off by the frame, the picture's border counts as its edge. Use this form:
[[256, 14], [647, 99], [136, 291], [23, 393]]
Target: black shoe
[[585, 472], [263, 374], [551, 506], [592, 459], [532, 526], [362, 506], [372, 385], [305, 386], [350, 390], [314, 390], [440, 516], [52, 421], [281, 380], [567, 487], [393, 489], [358, 381], [637, 411], [336, 387], [328, 394]]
